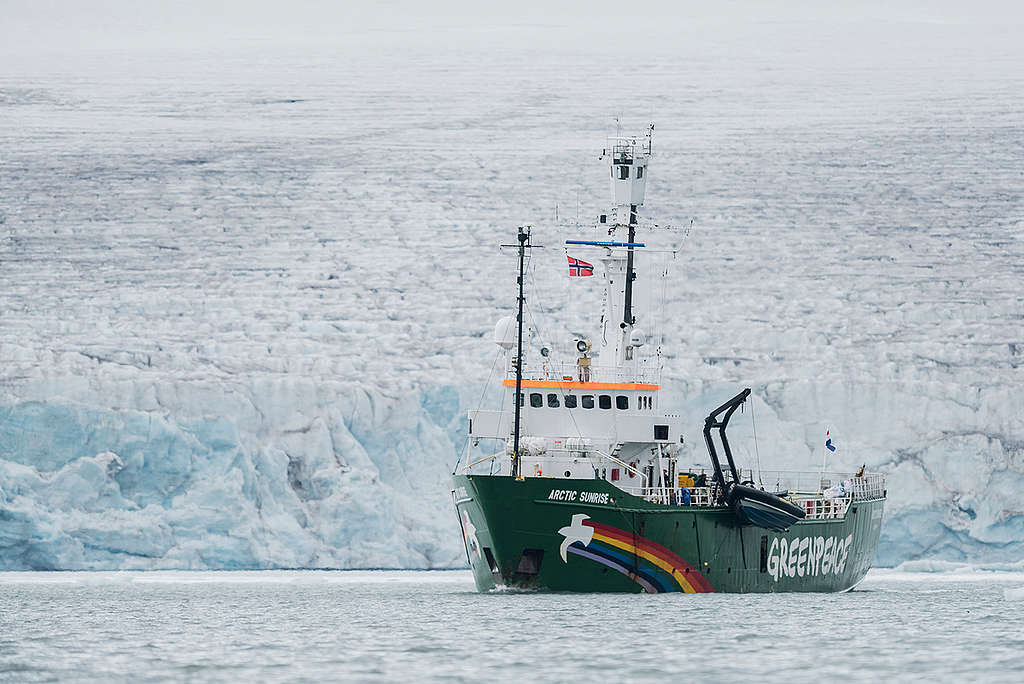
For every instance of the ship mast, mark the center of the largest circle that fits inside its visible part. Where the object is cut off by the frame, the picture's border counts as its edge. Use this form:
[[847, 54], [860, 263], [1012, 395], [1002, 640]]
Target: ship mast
[[524, 240], [628, 158], [627, 316]]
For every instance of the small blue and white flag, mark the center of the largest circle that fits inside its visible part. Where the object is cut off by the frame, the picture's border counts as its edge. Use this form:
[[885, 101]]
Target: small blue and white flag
[[828, 442]]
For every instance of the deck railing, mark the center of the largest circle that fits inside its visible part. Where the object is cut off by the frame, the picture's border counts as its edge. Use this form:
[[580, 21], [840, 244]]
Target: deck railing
[[820, 508], [644, 373], [867, 486], [822, 496], [831, 499]]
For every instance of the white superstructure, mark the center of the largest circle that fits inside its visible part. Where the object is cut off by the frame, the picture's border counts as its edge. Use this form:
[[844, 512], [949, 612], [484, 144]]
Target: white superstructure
[[597, 416]]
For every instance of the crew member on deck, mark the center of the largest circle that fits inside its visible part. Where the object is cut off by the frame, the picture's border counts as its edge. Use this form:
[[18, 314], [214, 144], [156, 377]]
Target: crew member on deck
[[584, 364]]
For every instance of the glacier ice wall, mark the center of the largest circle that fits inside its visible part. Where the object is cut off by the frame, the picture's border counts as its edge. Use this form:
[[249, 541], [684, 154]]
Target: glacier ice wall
[[196, 475], [283, 473]]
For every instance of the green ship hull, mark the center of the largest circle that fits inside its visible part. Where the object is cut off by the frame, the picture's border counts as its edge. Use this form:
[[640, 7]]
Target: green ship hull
[[589, 536]]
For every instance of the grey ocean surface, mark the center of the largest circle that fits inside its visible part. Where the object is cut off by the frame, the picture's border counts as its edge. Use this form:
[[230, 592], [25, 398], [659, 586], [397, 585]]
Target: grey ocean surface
[[285, 626]]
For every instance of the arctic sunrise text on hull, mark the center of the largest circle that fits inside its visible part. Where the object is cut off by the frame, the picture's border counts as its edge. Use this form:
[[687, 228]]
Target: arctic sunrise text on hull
[[586, 491]]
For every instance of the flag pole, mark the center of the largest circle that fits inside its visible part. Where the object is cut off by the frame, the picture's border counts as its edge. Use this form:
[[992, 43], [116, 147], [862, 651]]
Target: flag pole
[[824, 456]]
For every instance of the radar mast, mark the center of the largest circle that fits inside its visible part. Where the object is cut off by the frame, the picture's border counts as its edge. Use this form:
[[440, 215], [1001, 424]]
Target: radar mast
[[628, 159]]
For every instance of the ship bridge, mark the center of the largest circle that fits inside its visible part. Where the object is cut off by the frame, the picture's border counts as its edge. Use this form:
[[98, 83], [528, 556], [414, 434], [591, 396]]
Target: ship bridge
[[595, 413]]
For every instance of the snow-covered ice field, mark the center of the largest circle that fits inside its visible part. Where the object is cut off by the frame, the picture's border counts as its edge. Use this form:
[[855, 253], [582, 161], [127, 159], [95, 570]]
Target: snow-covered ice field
[[248, 278]]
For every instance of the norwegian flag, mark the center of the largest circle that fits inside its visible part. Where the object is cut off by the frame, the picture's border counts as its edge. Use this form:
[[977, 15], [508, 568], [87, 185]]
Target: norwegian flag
[[578, 267]]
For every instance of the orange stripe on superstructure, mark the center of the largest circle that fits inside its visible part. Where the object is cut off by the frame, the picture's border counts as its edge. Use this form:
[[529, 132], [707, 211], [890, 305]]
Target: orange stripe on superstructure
[[568, 384]]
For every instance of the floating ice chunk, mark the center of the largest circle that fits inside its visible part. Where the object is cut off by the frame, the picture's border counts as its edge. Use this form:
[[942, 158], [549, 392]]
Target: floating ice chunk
[[928, 565]]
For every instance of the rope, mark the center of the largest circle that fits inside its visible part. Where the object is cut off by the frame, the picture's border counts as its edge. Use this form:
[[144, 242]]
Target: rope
[[561, 391], [662, 323], [757, 454], [479, 405]]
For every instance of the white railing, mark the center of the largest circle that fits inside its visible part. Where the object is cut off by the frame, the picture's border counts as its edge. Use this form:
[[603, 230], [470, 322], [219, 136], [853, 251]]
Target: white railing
[[653, 494], [703, 496], [590, 452], [827, 502], [867, 486], [821, 508], [816, 507], [822, 496], [571, 372]]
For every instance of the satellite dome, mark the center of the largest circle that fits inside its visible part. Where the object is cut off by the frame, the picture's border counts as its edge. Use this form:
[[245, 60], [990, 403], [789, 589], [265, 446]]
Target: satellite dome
[[505, 333], [637, 338]]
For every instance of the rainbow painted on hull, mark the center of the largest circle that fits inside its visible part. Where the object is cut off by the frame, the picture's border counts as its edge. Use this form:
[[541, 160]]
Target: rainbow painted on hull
[[651, 565]]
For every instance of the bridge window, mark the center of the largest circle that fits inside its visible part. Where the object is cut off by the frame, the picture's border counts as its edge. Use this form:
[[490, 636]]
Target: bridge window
[[623, 172], [570, 401], [536, 399], [604, 401], [553, 401], [587, 401], [622, 402], [661, 432]]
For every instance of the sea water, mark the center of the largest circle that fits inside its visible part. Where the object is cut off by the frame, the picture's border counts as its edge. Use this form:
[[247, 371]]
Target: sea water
[[285, 626]]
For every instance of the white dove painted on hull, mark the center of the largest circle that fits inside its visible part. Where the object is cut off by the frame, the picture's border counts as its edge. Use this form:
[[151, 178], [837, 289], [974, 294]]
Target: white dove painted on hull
[[575, 532]]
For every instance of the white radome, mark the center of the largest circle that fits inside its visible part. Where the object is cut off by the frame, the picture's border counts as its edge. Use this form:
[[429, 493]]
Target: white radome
[[505, 332], [637, 338]]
